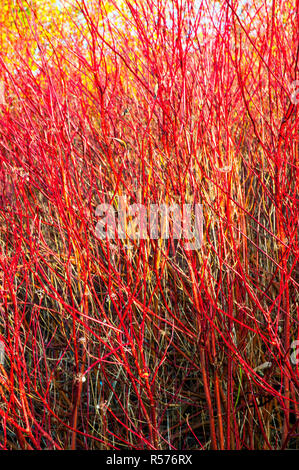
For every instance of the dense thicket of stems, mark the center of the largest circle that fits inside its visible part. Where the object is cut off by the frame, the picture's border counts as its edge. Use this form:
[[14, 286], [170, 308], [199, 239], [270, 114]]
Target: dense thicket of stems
[[142, 344]]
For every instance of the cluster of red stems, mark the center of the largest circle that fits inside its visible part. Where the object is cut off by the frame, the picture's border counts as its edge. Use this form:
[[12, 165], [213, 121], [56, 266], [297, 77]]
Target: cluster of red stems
[[142, 344]]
